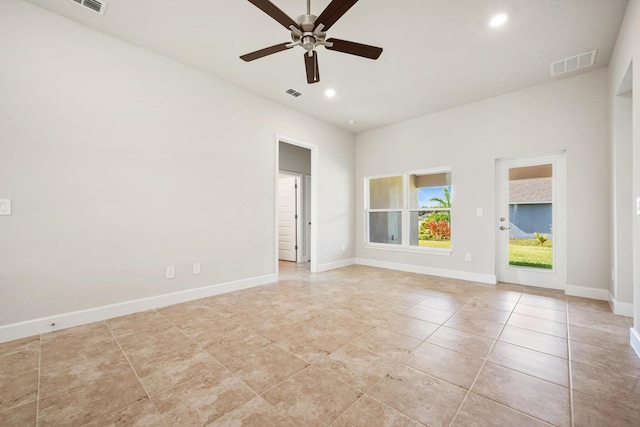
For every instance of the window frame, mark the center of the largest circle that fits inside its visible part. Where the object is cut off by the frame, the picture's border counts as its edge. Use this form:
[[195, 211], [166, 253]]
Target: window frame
[[406, 211]]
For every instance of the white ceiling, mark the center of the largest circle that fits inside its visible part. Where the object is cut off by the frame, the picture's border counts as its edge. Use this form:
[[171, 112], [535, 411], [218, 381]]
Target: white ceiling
[[437, 54]]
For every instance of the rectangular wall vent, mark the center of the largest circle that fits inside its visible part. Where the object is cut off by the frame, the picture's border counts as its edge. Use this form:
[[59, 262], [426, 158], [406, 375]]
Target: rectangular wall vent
[[94, 5], [293, 93], [573, 63]]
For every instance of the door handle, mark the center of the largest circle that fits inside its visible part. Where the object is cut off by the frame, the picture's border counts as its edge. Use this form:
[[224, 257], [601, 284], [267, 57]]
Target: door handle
[[502, 227]]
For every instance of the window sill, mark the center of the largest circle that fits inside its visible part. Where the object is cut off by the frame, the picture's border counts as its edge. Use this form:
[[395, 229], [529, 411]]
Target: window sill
[[415, 250]]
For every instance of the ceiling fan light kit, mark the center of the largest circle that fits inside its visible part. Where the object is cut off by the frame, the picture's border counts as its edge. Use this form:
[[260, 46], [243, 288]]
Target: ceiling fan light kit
[[309, 32]]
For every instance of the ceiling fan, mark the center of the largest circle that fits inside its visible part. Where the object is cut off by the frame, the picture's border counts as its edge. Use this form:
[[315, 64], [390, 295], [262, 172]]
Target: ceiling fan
[[309, 31]]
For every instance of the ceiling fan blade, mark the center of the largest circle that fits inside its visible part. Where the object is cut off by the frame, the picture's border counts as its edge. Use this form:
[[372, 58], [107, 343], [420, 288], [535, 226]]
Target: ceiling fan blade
[[354, 48], [311, 64], [333, 12], [272, 10], [264, 52]]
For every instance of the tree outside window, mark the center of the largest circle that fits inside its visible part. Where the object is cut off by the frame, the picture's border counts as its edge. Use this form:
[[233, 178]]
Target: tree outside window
[[430, 223]]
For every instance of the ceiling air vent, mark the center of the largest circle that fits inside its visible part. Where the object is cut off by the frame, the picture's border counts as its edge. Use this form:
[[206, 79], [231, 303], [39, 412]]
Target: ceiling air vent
[[293, 93], [95, 5], [573, 63]]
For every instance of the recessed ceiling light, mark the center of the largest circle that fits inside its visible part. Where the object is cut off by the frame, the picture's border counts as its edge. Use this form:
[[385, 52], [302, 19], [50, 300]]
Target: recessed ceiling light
[[498, 20], [330, 93], [352, 122]]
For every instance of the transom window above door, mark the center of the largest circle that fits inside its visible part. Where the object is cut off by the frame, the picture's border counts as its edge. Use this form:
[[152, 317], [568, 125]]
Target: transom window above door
[[410, 211]]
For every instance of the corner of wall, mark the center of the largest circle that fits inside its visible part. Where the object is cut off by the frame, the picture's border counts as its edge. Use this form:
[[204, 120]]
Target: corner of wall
[[337, 264], [635, 340], [620, 308], [585, 292]]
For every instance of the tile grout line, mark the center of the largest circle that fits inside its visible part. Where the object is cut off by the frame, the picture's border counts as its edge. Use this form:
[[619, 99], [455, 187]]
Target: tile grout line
[[135, 373], [571, 409], [312, 364], [366, 393], [484, 362], [346, 410], [380, 402], [441, 325], [39, 376], [222, 365]]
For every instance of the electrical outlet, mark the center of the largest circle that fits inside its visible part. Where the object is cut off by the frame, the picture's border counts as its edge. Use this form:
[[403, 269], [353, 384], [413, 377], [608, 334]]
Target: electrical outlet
[[196, 268], [344, 247], [468, 256], [171, 272]]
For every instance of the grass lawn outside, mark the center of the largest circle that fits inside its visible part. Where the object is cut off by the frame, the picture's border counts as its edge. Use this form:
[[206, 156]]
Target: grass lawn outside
[[529, 253], [443, 244]]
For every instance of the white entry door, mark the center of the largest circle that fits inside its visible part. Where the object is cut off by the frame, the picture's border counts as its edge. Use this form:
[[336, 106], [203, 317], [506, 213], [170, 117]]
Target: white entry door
[[531, 225], [287, 217]]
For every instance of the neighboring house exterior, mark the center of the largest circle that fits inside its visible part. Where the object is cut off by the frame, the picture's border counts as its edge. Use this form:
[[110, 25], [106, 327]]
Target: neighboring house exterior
[[530, 207]]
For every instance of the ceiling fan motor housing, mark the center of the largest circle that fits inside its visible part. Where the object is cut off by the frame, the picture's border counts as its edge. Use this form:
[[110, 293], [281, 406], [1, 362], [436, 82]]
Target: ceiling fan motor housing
[[308, 42], [307, 22], [309, 38]]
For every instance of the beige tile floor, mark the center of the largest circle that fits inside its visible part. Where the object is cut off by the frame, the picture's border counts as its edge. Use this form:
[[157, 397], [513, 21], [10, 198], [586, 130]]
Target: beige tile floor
[[357, 346]]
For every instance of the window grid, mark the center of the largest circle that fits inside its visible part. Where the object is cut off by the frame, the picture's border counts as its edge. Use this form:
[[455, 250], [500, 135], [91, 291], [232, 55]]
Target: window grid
[[404, 218]]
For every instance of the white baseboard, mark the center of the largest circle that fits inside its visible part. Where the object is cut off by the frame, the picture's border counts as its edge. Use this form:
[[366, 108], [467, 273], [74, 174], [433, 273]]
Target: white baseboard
[[635, 340], [584, 292], [441, 272], [67, 320], [337, 264], [620, 308]]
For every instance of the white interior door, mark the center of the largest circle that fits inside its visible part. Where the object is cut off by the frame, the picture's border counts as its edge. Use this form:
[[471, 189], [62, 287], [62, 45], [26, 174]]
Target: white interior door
[[531, 224], [287, 217]]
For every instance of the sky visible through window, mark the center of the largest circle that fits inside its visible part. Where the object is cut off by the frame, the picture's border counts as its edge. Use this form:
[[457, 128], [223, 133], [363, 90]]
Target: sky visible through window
[[426, 193]]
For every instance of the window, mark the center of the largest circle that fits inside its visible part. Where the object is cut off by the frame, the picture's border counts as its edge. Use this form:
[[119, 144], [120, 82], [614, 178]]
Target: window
[[430, 210], [410, 211], [385, 209]]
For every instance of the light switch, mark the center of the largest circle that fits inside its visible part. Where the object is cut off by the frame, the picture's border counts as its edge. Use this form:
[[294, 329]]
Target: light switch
[[637, 206], [5, 206], [479, 212]]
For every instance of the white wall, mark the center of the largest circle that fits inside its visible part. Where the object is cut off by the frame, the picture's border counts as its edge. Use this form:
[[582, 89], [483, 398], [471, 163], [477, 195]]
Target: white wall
[[566, 114], [120, 162], [627, 50]]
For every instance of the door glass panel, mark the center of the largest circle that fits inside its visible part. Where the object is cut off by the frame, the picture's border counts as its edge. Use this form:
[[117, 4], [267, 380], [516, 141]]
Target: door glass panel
[[530, 216]]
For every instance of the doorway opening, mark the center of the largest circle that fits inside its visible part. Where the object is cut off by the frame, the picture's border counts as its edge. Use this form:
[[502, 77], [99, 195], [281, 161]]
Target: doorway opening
[[531, 226], [624, 209], [296, 202]]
